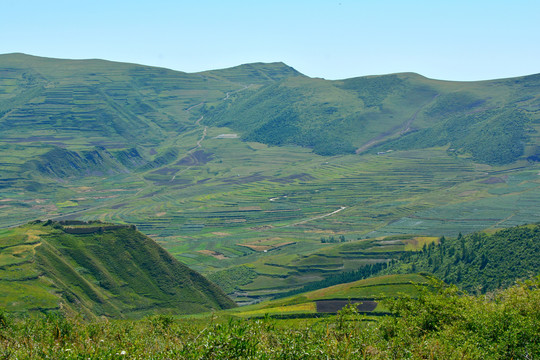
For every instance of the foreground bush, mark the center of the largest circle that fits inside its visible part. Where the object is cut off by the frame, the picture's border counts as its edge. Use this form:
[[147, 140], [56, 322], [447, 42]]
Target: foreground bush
[[444, 325]]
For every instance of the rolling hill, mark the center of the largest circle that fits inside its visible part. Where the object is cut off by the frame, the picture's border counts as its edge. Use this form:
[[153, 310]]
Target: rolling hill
[[244, 170], [97, 269], [490, 120], [367, 294], [481, 262]]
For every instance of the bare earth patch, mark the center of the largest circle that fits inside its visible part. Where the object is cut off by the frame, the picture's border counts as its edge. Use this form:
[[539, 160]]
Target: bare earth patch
[[236, 221], [227, 136], [82, 189], [266, 245], [492, 180], [263, 227], [214, 254], [320, 231], [199, 157], [250, 208], [333, 306]]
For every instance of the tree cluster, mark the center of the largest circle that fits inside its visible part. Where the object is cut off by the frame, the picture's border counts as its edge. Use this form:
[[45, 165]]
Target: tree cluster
[[479, 262]]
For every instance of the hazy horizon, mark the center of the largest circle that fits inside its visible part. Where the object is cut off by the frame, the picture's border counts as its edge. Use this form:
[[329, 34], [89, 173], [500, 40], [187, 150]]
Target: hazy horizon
[[460, 41], [255, 62]]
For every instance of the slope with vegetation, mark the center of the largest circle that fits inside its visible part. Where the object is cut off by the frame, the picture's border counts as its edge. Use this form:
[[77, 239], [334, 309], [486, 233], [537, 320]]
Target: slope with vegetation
[[440, 325], [132, 144], [369, 295], [479, 261], [97, 269], [489, 120]]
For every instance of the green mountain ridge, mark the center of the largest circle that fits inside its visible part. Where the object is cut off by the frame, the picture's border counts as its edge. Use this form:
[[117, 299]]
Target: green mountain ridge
[[97, 269], [397, 111]]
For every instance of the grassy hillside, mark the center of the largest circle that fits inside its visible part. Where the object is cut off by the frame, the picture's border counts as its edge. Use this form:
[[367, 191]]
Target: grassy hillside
[[443, 325], [490, 120], [370, 292], [131, 144], [93, 104], [480, 261], [97, 269]]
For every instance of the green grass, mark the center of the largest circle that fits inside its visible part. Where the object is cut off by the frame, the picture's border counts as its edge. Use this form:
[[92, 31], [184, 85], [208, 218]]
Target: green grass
[[382, 196], [377, 288], [444, 324], [97, 269], [401, 111]]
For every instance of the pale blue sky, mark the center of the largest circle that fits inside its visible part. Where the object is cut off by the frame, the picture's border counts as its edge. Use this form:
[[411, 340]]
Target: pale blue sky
[[451, 40]]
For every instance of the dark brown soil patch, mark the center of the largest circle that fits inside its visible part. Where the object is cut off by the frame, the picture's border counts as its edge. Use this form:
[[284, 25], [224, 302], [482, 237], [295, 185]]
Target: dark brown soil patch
[[165, 171], [263, 227], [199, 157], [214, 254], [333, 306], [492, 180], [245, 179], [118, 206]]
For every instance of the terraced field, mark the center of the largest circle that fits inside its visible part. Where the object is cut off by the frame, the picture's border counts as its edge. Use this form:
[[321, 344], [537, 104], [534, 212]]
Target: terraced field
[[381, 196], [247, 194], [368, 294]]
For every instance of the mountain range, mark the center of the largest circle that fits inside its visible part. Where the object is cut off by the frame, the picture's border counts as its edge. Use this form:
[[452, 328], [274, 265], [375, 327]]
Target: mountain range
[[245, 170]]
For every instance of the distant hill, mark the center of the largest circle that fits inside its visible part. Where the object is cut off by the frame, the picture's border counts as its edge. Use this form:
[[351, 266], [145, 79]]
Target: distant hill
[[132, 111], [96, 117], [97, 269], [490, 120]]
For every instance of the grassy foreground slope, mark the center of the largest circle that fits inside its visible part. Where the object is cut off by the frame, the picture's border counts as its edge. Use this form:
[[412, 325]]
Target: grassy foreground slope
[[439, 325], [97, 269]]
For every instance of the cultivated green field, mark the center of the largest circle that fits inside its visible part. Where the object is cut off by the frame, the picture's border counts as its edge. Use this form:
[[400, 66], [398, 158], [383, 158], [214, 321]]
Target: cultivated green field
[[375, 289]]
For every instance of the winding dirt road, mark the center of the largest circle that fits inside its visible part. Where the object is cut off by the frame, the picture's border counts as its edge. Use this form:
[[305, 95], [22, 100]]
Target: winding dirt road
[[318, 217]]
